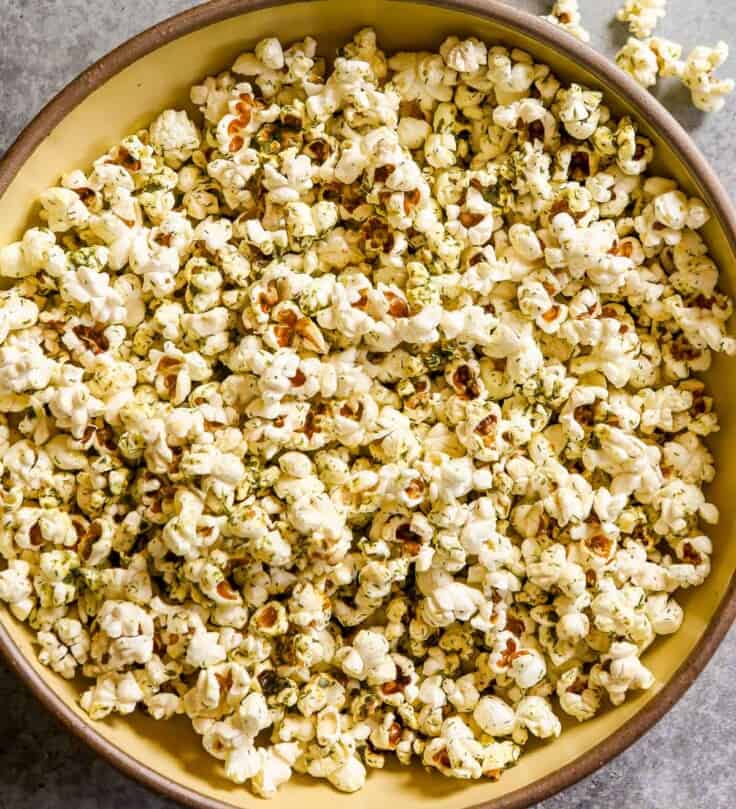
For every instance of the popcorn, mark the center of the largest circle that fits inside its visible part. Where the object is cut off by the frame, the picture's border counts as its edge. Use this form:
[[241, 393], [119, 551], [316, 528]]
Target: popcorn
[[130, 630], [368, 659], [619, 613], [112, 693], [36, 251], [24, 365], [638, 59], [535, 715], [205, 650], [16, 588], [175, 136], [494, 716], [642, 15], [63, 209], [66, 648], [708, 92], [566, 14], [360, 409], [579, 111], [668, 55], [646, 59], [275, 768], [577, 695], [625, 672], [422, 77], [664, 613]]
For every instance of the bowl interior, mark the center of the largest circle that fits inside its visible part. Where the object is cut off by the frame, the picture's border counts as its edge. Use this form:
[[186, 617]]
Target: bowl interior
[[162, 78]]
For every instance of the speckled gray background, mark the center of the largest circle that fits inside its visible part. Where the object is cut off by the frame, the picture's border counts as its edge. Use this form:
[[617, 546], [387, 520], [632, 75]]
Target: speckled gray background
[[688, 761]]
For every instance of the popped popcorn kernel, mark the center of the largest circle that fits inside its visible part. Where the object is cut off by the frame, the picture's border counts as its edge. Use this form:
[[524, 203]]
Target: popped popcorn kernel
[[642, 15], [566, 15]]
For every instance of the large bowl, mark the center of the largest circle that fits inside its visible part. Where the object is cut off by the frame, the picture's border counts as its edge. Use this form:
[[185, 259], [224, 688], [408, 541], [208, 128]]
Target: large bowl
[[124, 91]]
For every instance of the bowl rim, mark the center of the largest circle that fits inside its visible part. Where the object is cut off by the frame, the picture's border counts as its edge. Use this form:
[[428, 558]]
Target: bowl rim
[[644, 105]]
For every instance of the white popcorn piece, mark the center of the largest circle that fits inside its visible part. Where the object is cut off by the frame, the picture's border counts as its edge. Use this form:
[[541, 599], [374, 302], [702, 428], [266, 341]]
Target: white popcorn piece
[[668, 56], [275, 768], [625, 672], [130, 631], [566, 14], [24, 367], [16, 588], [642, 15], [368, 659], [65, 649], [638, 59], [112, 693], [494, 716], [464, 56], [708, 92], [535, 715], [64, 209], [175, 136]]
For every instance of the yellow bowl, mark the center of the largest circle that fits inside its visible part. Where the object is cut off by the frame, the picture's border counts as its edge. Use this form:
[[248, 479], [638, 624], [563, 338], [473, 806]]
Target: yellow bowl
[[125, 91]]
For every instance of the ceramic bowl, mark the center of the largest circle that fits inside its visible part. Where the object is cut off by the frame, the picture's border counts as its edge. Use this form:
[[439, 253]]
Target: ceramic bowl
[[154, 70]]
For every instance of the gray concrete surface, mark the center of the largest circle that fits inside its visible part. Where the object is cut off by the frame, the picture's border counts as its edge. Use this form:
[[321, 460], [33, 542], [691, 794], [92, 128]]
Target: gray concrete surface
[[686, 762]]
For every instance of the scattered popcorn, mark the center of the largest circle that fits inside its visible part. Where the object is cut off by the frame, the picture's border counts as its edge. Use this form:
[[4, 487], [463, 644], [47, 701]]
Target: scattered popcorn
[[708, 92], [642, 15], [359, 417], [638, 59], [648, 59], [668, 55], [566, 14]]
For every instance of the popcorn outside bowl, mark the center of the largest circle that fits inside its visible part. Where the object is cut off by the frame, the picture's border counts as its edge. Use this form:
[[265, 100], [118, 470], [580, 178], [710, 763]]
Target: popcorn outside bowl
[[124, 91]]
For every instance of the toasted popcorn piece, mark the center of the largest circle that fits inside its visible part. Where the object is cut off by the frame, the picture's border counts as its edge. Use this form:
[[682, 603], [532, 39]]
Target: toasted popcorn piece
[[577, 696], [455, 752], [668, 55], [566, 14], [642, 15]]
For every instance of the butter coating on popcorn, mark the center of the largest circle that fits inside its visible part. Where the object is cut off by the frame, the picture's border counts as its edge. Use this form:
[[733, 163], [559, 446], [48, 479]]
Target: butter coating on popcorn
[[359, 416]]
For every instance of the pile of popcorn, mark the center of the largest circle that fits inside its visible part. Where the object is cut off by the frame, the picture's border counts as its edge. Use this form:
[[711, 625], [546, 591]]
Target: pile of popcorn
[[648, 58], [359, 417]]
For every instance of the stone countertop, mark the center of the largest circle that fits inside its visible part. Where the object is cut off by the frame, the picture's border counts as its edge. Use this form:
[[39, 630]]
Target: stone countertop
[[684, 762]]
